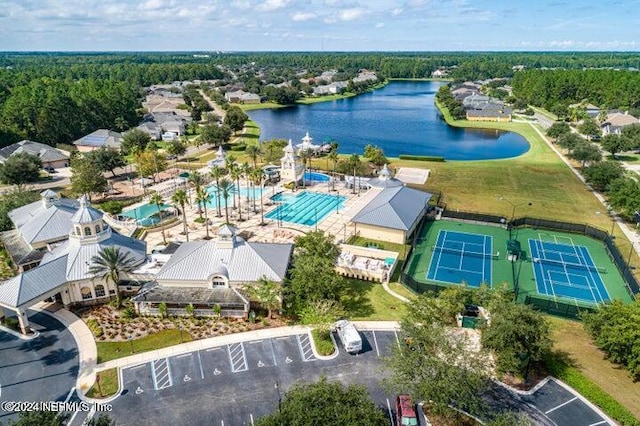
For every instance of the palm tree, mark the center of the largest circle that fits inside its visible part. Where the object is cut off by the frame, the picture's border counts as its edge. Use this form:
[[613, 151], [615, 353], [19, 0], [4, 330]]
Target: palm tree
[[109, 264], [246, 172], [354, 162], [197, 180], [333, 156], [204, 197], [216, 174], [156, 199], [253, 151], [305, 155], [236, 174], [180, 198], [226, 188], [256, 176]]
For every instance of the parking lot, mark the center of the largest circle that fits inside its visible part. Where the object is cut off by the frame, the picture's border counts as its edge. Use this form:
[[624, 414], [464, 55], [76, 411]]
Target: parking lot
[[239, 383]]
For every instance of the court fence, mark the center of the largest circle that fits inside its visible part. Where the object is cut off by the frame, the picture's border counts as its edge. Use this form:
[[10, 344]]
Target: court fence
[[553, 307]]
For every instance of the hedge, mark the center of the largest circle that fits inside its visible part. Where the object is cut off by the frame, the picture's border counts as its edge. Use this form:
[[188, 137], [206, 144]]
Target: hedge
[[574, 378], [422, 158]]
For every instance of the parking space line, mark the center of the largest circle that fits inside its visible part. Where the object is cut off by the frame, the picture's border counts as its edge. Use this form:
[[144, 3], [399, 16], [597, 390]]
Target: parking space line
[[282, 338], [212, 349], [561, 405], [254, 341], [251, 418], [393, 423], [273, 353], [183, 355], [69, 394], [395, 333], [161, 374], [201, 369], [604, 422], [138, 366], [304, 343], [237, 357], [375, 341]]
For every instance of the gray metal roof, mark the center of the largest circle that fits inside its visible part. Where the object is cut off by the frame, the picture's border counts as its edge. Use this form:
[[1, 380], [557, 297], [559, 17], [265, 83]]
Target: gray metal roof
[[395, 208], [80, 255], [28, 287], [86, 213], [248, 262], [38, 223]]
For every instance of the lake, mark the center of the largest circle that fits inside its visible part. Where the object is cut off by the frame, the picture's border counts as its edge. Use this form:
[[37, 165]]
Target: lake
[[401, 118]]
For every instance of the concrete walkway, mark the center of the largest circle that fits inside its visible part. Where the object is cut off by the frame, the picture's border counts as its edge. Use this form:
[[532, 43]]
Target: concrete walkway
[[87, 349]]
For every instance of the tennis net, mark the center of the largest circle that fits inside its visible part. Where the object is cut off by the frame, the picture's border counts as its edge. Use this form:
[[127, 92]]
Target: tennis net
[[570, 265], [462, 253]]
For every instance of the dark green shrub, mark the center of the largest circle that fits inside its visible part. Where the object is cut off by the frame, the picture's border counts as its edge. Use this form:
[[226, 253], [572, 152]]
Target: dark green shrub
[[422, 158]]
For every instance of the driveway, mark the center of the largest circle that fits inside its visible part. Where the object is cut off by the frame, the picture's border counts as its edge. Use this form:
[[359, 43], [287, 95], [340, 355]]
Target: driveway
[[41, 369]]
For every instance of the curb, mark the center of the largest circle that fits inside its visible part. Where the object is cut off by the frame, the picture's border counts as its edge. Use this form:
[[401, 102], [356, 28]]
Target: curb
[[20, 335], [335, 353]]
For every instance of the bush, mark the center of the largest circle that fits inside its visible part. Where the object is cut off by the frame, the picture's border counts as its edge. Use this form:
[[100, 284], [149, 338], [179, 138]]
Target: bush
[[111, 207], [199, 220], [12, 323], [422, 158], [95, 327], [128, 312], [289, 185], [322, 340]]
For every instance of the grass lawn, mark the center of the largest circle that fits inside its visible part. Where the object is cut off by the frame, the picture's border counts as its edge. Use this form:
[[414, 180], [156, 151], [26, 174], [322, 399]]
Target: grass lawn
[[402, 290], [571, 339], [112, 350], [108, 384], [367, 301]]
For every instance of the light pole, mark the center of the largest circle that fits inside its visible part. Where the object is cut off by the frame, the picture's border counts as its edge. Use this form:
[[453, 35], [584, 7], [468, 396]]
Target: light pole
[[180, 329], [277, 388], [131, 342], [515, 205]]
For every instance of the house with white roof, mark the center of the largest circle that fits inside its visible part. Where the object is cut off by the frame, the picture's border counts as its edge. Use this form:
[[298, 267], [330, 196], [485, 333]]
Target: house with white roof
[[48, 155], [98, 139], [63, 274], [204, 274], [37, 227]]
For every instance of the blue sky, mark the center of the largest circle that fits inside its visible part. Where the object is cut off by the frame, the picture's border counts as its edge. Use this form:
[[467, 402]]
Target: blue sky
[[314, 25]]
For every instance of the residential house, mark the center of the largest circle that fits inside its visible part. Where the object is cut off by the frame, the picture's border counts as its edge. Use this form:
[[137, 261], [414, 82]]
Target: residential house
[[48, 155], [330, 89], [170, 122], [153, 129], [440, 73], [98, 139], [242, 97], [204, 274], [615, 122]]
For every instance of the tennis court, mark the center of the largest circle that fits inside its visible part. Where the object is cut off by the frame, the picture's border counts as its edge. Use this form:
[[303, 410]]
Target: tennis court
[[564, 269], [461, 257]]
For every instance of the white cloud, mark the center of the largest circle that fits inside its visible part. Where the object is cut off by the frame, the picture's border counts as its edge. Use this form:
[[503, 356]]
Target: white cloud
[[271, 5], [397, 11], [351, 14], [303, 16], [380, 25]]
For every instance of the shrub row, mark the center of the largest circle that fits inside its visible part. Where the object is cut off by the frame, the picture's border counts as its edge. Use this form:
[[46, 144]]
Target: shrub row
[[574, 378], [95, 327], [422, 158]]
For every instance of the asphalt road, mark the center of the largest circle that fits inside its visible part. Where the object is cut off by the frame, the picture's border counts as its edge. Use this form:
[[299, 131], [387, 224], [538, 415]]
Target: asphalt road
[[42, 369]]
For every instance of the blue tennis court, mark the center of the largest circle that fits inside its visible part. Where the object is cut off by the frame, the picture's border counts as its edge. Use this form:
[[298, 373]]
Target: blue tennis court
[[567, 270], [460, 256]]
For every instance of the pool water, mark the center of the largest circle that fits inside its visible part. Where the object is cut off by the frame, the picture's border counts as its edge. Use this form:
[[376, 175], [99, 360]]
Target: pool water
[[245, 192], [306, 208], [316, 177], [146, 214]]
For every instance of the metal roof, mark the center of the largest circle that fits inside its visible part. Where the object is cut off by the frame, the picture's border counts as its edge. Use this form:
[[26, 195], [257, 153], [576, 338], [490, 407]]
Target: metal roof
[[198, 260], [79, 256], [38, 223], [30, 285], [196, 295], [101, 137], [86, 213], [395, 208], [44, 152]]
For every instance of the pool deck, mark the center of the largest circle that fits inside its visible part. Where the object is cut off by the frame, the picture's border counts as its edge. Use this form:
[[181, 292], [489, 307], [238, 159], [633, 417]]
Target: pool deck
[[334, 223]]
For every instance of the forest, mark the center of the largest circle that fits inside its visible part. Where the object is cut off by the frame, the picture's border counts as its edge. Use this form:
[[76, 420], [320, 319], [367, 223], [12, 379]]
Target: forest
[[58, 97]]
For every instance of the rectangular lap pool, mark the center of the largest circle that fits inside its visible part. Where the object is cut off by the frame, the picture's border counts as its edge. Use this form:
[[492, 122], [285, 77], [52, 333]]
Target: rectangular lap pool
[[306, 208]]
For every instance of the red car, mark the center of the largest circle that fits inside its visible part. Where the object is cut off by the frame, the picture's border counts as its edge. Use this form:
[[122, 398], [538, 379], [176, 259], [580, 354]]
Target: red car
[[405, 411]]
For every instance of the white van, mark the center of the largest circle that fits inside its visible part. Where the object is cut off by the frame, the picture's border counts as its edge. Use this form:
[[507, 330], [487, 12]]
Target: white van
[[349, 336]]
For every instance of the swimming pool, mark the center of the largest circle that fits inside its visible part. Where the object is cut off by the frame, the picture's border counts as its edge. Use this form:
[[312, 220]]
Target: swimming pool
[[146, 214], [316, 177], [245, 192], [305, 208]]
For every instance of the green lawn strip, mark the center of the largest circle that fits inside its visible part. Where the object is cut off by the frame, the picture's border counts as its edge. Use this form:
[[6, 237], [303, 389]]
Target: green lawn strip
[[107, 382], [263, 105], [560, 369], [400, 289], [162, 339], [322, 340], [368, 301], [544, 112], [326, 98]]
